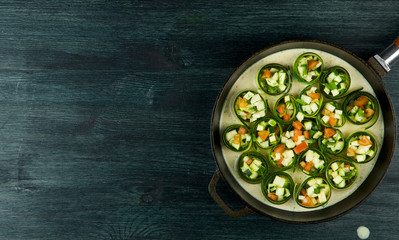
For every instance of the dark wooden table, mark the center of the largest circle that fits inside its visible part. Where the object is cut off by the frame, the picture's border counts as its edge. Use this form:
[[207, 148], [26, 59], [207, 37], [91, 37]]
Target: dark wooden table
[[106, 108]]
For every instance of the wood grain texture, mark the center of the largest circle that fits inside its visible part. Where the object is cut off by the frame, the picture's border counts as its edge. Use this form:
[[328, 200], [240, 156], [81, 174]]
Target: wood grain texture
[[106, 108]]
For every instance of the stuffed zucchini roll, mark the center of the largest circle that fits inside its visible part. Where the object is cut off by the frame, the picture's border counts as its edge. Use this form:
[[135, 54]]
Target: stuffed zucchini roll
[[312, 162], [313, 192], [249, 106], [341, 173], [301, 135], [308, 67], [278, 188], [362, 147], [333, 141], [266, 133], [335, 82], [310, 101], [252, 167], [331, 115], [237, 138], [360, 108], [285, 109], [274, 79], [282, 157]]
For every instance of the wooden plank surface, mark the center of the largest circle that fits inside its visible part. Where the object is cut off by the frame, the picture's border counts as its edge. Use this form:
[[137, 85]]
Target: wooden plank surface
[[106, 108]]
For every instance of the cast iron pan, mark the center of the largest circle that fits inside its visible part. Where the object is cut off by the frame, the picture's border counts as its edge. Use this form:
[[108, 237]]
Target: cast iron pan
[[373, 71]]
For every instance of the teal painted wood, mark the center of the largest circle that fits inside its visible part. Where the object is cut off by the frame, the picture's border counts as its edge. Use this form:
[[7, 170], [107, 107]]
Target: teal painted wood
[[106, 107]]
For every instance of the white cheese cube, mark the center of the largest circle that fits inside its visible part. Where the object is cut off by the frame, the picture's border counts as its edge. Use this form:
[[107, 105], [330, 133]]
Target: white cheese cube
[[338, 79], [325, 118], [300, 116], [265, 144], [256, 98], [338, 179], [272, 138], [318, 164], [280, 191], [321, 198], [260, 127], [338, 112], [334, 174], [309, 156], [330, 107], [286, 161], [277, 156], [287, 134], [307, 109], [230, 135], [248, 95], [314, 107], [292, 133], [312, 182], [282, 87], [313, 89], [279, 181], [334, 166], [317, 135], [290, 143], [310, 191], [287, 99], [308, 125], [335, 92], [301, 139], [355, 144], [236, 146], [284, 139], [326, 90], [306, 99], [360, 158], [248, 137], [260, 105]]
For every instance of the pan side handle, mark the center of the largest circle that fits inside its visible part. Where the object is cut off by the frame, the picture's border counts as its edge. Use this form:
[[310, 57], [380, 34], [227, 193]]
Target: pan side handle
[[382, 62], [232, 213]]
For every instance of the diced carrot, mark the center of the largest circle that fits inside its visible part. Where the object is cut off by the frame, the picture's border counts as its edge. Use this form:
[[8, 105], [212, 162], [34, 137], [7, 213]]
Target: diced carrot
[[300, 148], [280, 149], [247, 115], [360, 101], [286, 117], [308, 166], [297, 125], [266, 74], [347, 166], [332, 120], [306, 134], [349, 107], [297, 132], [263, 134], [350, 152], [237, 139], [303, 192], [272, 196], [364, 141], [242, 130], [314, 95], [280, 161], [307, 201], [280, 108], [369, 112], [312, 64], [295, 138], [249, 161], [302, 163], [326, 112], [242, 103], [329, 132]]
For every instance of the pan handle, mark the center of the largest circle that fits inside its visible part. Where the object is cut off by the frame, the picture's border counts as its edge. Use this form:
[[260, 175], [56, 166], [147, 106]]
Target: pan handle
[[232, 213], [382, 62]]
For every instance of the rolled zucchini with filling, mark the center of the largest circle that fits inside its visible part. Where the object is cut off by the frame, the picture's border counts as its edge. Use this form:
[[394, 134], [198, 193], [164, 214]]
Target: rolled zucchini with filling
[[278, 188], [274, 79], [361, 147], [252, 167], [237, 138], [341, 173], [266, 133], [313, 192], [282, 157], [312, 162], [310, 101], [300, 135], [335, 82], [333, 141], [331, 115], [285, 109], [308, 68], [361, 108], [249, 106]]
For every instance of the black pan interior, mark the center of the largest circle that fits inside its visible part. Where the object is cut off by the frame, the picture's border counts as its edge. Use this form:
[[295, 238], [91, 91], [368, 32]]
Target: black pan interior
[[368, 185]]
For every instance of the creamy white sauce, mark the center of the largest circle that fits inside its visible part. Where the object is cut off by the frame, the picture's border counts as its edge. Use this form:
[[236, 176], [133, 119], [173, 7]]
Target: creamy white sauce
[[247, 81]]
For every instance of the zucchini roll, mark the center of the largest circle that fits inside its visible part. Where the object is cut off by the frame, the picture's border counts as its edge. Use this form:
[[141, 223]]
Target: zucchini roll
[[249, 106], [301, 135], [312, 162], [274, 79], [331, 115], [266, 133], [313, 192], [282, 157], [285, 109], [333, 141], [341, 173], [362, 147], [252, 167], [237, 138], [308, 68], [278, 187], [361, 108], [310, 101], [335, 82]]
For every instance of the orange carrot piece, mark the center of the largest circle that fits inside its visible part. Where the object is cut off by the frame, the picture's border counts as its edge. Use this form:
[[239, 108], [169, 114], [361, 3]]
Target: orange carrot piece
[[237, 139], [242, 130], [329, 132], [280, 108], [303, 192], [350, 152], [249, 161], [308, 166], [326, 112], [369, 112], [272, 196], [286, 117], [297, 125], [312, 64], [280, 149], [307, 201], [314, 95], [242, 103], [300, 148], [297, 132], [280, 161], [263, 134], [360, 101], [332, 120], [306, 134], [266, 74], [364, 141]]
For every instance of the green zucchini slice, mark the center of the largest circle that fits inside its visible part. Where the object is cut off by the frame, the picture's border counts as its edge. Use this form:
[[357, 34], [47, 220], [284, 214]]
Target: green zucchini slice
[[274, 79], [249, 106], [266, 133], [312, 162], [333, 141], [310, 132], [341, 173], [335, 82], [331, 115], [281, 157], [361, 147], [361, 108], [313, 192], [237, 138], [252, 167], [278, 188], [308, 68], [310, 101], [285, 109]]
